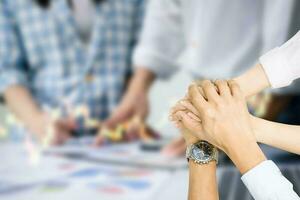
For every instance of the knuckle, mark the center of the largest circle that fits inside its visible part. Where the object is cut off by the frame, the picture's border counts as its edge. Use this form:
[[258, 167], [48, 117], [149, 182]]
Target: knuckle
[[236, 89], [191, 90], [197, 82], [190, 87], [232, 82], [220, 82], [205, 83]]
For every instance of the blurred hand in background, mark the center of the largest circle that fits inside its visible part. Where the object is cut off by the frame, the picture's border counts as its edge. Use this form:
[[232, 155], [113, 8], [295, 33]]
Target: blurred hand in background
[[52, 131], [133, 108]]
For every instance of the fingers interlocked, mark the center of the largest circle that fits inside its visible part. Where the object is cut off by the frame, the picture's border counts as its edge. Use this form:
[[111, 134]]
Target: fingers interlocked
[[206, 106]]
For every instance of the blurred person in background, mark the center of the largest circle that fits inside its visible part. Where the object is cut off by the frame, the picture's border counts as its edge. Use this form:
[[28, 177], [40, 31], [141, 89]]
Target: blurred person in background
[[62, 54], [209, 39]]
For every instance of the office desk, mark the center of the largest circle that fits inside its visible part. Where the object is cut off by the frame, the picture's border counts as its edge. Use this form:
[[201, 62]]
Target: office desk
[[168, 185]]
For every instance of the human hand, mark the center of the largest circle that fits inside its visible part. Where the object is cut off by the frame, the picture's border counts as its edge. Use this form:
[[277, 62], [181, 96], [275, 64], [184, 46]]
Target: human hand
[[134, 103], [51, 131], [135, 100], [190, 135], [226, 122], [223, 112], [178, 145], [185, 117], [131, 130], [133, 106], [175, 148]]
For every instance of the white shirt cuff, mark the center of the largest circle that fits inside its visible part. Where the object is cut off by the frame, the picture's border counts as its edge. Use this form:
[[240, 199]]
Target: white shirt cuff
[[265, 181], [274, 66], [153, 61]]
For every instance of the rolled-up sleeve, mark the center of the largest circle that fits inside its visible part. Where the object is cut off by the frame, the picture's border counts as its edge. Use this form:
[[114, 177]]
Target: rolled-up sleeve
[[161, 38], [11, 60], [265, 182], [282, 64]]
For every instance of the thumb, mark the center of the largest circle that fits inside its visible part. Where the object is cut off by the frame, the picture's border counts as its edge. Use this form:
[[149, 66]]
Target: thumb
[[118, 116]]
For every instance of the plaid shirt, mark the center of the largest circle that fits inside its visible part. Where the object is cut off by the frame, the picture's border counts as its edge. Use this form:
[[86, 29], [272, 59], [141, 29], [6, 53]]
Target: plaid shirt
[[41, 49]]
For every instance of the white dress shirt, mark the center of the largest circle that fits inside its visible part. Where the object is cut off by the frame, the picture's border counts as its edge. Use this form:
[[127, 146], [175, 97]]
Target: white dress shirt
[[211, 39], [282, 64], [265, 182], [282, 67]]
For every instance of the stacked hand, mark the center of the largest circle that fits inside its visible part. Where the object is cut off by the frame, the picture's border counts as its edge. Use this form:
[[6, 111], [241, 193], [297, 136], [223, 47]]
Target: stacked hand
[[217, 112]]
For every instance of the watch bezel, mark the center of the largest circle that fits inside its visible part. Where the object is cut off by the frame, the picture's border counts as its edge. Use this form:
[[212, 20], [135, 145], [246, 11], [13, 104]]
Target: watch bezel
[[200, 160]]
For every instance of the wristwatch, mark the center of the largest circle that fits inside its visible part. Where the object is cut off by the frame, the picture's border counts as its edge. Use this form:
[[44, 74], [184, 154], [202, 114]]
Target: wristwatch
[[202, 152]]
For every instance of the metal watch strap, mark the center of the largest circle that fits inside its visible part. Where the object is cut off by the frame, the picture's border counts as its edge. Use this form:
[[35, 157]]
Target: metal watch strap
[[214, 156]]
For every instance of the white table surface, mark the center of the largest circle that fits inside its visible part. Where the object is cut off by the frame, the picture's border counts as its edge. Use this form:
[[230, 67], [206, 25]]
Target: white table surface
[[15, 166]]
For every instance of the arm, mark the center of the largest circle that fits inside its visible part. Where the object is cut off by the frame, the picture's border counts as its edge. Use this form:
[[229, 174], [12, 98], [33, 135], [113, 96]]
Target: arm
[[26, 109], [253, 81], [278, 135], [14, 82], [225, 120], [12, 73], [262, 178], [34, 119], [202, 178], [203, 182], [135, 99], [278, 68]]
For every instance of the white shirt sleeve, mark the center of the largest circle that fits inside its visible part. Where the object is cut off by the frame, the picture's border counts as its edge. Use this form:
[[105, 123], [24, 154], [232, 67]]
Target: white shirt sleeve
[[265, 182], [161, 38], [282, 64], [275, 34]]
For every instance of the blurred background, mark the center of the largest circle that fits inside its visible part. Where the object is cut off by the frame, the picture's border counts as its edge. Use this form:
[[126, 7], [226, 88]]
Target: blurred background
[[86, 87]]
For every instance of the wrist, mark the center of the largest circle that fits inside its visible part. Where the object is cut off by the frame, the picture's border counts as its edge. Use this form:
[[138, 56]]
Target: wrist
[[197, 169], [141, 80], [190, 141], [203, 181], [37, 123], [253, 81], [189, 138], [255, 127], [246, 155]]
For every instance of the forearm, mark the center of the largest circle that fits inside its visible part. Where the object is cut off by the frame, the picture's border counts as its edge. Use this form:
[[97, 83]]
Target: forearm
[[282, 136], [203, 181], [21, 103], [253, 81], [244, 152], [141, 80]]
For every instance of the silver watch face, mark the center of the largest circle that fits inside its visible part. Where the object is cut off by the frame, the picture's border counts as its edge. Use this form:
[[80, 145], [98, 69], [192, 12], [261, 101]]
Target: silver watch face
[[202, 152]]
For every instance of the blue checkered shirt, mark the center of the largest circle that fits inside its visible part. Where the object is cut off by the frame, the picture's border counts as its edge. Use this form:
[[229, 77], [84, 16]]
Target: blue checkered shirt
[[41, 50]]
